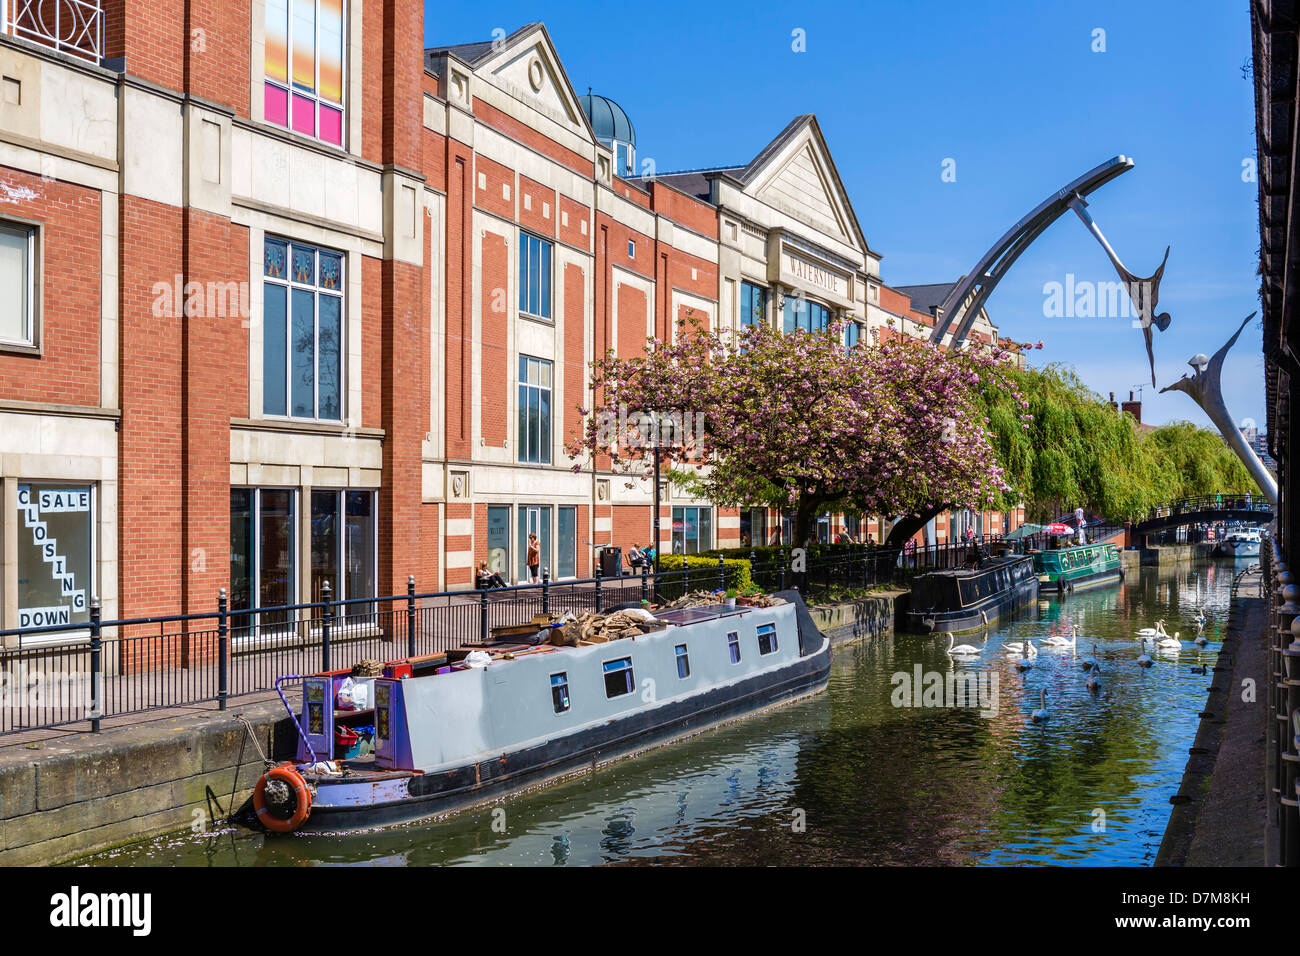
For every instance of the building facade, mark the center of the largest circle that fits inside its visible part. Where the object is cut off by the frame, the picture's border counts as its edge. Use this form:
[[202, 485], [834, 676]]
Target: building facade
[[288, 300]]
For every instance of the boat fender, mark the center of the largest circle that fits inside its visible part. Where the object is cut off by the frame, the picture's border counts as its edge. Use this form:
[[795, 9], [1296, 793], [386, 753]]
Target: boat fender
[[277, 790]]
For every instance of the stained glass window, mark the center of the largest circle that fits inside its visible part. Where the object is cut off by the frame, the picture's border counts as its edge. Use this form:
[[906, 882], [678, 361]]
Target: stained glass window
[[302, 331], [304, 67]]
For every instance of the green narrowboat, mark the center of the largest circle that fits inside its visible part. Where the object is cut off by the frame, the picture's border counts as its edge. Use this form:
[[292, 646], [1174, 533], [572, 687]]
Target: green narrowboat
[[1078, 566]]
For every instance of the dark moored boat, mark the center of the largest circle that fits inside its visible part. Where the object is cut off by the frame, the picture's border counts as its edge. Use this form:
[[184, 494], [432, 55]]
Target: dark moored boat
[[964, 600]]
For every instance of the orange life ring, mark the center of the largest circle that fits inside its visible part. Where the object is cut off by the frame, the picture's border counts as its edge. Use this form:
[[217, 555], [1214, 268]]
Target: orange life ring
[[289, 775]]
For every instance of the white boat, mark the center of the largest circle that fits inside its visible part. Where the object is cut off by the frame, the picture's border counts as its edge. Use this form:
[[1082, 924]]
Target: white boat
[[448, 735], [1240, 544]]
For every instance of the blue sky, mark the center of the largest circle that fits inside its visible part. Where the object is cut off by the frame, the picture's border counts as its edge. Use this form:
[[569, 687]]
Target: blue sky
[[1015, 94]]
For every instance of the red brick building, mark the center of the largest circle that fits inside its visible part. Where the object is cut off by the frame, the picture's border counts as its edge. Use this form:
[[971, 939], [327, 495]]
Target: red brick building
[[287, 299]]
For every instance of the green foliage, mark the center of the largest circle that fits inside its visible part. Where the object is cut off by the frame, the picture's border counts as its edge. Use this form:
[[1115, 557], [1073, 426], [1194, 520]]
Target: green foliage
[[704, 574], [1079, 451]]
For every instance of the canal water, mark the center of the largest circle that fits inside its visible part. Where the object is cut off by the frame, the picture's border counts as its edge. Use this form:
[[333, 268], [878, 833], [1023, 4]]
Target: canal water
[[851, 777]]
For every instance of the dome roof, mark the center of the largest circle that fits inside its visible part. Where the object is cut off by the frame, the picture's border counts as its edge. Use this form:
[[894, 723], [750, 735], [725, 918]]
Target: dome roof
[[608, 119]]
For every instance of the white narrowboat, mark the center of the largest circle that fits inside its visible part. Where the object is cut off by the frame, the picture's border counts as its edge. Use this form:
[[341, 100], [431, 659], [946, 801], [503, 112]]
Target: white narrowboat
[[455, 729]]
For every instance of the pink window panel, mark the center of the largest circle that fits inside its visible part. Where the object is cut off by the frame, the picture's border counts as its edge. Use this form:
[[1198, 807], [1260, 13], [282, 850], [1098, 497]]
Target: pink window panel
[[277, 105], [331, 125], [304, 115]]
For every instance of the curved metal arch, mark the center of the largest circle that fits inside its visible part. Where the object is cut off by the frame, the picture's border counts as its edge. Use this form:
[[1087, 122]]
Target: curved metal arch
[[983, 279]]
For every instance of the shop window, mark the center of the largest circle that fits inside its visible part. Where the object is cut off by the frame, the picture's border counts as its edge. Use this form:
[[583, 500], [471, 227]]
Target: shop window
[[534, 410], [692, 530], [804, 315], [302, 331], [17, 284], [852, 334], [55, 535], [303, 87], [534, 276], [753, 304], [263, 556], [343, 547]]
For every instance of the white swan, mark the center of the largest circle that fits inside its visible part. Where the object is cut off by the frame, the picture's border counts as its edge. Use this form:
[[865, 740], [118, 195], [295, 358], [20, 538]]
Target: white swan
[[1144, 660], [1023, 663], [1201, 639], [1170, 643], [1057, 641], [1042, 713], [1093, 683], [1157, 631], [1020, 648], [961, 650], [1088, 663]]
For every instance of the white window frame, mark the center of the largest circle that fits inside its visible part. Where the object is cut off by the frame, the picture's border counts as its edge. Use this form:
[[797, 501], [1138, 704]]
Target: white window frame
[[317, 291], [340, 500], [31, 341], [315, 96], [74, 633]]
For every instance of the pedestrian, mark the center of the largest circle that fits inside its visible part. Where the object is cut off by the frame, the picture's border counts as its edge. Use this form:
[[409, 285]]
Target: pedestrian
[[635, 557], [533, 558], [487, 579], [1079, 521]]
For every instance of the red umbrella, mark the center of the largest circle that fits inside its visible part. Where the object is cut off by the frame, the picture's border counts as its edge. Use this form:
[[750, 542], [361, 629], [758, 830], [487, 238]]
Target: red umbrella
[[1058, 528]]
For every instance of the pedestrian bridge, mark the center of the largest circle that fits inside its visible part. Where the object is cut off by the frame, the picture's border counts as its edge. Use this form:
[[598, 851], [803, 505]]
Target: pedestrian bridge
[[1255, 509]]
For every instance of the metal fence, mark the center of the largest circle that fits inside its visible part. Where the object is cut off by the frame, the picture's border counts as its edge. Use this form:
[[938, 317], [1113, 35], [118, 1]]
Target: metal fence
[[69, 675], [69, 26]]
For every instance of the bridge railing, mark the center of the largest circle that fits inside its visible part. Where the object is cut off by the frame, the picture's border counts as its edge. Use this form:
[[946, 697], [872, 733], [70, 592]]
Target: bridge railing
[[1220, 502]]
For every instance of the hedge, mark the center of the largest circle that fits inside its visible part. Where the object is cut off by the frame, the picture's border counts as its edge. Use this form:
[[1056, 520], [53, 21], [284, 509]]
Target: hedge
[[703, 573]]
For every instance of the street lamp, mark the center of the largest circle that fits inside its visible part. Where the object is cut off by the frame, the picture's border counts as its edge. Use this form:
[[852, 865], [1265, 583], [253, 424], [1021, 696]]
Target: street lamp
[[658, 430]]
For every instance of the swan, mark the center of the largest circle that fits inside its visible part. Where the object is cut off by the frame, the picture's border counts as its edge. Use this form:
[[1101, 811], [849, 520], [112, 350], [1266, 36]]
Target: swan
[[1170, 643], [1057, 641], [1157, 631], [1201, 639], [1200, 618], [1027, 649], [1023, 663], [1042, 713], [1088, 663], [1144, 660], [1093, 683], [961, 649]]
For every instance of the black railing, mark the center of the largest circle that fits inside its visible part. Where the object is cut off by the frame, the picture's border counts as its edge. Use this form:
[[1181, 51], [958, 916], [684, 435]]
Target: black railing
[[83, 674]]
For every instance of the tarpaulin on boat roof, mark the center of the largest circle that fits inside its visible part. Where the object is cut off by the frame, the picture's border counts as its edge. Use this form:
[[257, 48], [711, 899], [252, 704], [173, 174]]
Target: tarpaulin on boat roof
[[1024, 531]]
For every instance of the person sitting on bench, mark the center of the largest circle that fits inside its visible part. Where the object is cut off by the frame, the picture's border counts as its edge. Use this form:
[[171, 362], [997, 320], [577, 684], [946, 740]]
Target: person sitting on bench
[[487, 579]]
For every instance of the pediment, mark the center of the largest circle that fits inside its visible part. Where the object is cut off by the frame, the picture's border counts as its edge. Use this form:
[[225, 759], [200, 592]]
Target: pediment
[[798, 178], [528, 68]]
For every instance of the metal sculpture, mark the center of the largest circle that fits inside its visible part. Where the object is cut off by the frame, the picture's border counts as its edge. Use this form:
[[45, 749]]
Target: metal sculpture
[[967, 296], [1144, 293], [1205, 389]]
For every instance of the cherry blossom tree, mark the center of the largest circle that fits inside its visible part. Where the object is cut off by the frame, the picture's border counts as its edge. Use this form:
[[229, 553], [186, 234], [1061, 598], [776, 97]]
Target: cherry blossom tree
[[799, 421]]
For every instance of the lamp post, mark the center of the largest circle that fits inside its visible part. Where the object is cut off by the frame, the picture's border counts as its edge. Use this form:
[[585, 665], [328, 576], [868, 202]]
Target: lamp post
[[658, 430]]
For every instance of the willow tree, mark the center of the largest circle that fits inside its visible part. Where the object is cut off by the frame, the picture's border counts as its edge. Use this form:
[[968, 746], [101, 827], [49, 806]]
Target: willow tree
[[802, 423], [1079, 451]]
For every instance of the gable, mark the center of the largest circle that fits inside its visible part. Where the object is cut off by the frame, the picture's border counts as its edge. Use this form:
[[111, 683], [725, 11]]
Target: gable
[[803, 189], [528, 69]]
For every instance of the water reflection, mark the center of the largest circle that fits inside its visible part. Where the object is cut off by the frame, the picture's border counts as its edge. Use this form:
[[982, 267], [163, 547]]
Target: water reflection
[[848, 778]]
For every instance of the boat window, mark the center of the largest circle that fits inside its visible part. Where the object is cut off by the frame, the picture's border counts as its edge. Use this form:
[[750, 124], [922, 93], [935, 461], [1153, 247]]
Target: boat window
[[767, 638], [618, 677], [683, 662], [560, 692], [733, 646]]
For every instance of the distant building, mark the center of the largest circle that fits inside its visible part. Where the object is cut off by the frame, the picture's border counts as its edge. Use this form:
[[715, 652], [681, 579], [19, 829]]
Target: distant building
[[1258, 441]]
